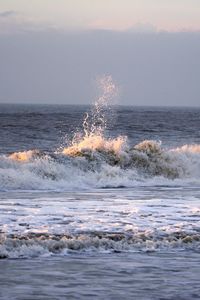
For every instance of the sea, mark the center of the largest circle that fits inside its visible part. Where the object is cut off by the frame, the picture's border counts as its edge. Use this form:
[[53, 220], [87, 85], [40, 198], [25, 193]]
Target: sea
[[99, 202]]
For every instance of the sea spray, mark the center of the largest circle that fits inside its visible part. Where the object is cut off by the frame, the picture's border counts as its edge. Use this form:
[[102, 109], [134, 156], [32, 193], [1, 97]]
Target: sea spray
[[95, 122]]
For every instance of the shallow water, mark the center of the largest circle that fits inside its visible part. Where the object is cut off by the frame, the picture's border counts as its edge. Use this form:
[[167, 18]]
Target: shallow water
[[123, 220], [117, 276]]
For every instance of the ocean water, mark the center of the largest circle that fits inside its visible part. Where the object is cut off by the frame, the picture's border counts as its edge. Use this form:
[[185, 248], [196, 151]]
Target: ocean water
[[99, 202]]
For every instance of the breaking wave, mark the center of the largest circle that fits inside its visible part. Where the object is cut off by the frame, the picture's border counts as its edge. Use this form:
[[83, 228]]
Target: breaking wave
[[93, 160], [96, 162]]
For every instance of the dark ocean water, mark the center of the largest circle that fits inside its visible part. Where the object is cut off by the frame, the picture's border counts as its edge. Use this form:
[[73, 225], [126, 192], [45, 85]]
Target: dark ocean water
[[24, 127], [111, 212]]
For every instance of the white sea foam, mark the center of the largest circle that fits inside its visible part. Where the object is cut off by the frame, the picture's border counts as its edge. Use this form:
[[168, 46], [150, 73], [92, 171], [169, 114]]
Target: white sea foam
[[195, 148], [98, 162], [44, 245]]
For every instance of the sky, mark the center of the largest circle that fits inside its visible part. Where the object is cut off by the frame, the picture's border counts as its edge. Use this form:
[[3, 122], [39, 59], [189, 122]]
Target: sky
[[53, 51], [170, 15]]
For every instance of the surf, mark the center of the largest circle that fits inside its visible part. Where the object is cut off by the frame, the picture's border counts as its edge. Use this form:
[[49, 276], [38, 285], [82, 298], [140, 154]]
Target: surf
[[93, 159]]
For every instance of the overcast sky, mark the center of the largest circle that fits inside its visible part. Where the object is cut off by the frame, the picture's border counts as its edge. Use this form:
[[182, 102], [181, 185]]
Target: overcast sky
[[52, 51]]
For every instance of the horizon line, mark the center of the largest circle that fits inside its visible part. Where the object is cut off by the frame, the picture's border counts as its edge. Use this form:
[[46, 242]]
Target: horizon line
[[90, 104]]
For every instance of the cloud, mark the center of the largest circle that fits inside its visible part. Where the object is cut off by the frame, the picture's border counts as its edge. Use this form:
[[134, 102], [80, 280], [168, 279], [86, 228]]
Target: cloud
[[7, 13], [12, 22], [122, 25]]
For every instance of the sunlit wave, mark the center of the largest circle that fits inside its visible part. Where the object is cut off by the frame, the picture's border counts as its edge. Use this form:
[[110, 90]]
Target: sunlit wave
[[24, 156]]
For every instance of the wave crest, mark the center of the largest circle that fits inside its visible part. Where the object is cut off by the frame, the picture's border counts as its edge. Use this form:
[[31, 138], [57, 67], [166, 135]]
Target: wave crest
[[98, 143], [195, 148], [25, 155], [96, 162]]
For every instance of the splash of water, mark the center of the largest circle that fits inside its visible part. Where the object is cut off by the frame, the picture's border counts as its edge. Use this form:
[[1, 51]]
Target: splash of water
[[95, 123], [94, 142]]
